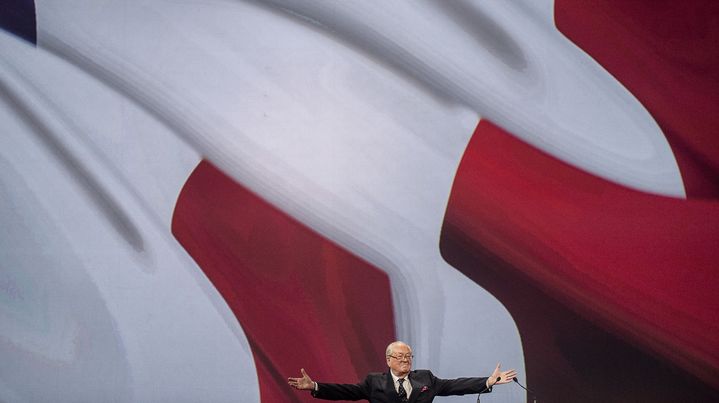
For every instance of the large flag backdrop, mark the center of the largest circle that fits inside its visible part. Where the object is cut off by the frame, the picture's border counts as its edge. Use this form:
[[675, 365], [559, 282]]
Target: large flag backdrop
[[200, 198]]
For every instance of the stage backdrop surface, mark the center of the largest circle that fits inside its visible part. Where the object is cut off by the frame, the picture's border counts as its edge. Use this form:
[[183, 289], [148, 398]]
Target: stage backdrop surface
[[197, 199]]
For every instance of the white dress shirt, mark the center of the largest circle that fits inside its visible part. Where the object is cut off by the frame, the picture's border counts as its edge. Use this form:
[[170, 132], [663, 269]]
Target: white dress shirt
[[406, 384]]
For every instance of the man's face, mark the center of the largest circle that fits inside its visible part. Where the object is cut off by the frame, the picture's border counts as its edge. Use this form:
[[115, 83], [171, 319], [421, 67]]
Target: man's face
[[400, 362]]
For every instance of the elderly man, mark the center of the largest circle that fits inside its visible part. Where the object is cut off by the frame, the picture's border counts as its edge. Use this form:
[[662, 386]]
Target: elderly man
[[400, 383]]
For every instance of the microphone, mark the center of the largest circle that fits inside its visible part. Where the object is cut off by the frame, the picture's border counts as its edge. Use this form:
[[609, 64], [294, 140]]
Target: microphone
[[534, 396]]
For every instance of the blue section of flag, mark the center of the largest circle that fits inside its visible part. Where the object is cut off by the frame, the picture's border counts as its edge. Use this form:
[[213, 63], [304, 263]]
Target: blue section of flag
[[18, 17]]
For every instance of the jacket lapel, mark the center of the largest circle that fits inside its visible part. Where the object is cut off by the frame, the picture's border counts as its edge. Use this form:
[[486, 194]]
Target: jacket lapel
[[416, 388], [390, 391]]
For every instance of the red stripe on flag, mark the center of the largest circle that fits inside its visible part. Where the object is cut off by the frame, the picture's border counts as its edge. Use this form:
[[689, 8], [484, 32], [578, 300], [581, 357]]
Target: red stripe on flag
[[665, 53], [302, 301], [533, 231]]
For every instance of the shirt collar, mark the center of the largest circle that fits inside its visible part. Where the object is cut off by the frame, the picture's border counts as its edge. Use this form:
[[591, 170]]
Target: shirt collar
[[395, 377]]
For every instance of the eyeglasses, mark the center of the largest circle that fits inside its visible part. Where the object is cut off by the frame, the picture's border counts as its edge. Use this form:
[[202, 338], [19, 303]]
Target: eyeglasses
[[400, 357]]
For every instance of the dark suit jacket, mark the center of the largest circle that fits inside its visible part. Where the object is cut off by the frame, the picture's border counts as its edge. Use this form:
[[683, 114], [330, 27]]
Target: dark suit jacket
[[379, 388]]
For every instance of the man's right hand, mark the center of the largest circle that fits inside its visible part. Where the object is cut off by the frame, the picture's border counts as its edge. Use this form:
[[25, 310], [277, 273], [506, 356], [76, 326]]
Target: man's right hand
[[304, 383]]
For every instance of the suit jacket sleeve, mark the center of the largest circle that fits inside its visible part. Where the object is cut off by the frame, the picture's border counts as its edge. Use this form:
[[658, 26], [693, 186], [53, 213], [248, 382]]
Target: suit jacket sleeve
[[459, 386], [342, 391]]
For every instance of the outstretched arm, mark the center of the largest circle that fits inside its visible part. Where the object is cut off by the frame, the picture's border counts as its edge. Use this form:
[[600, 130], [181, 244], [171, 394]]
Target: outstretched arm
[[303, 383], [499, 377], [330, 391]]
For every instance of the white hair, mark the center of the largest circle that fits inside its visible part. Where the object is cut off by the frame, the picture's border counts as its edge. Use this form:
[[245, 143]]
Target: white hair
[[391, 346]]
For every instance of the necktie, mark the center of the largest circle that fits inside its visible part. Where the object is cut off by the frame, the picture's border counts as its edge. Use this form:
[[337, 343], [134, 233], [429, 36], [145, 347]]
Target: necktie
[[401, 393]]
